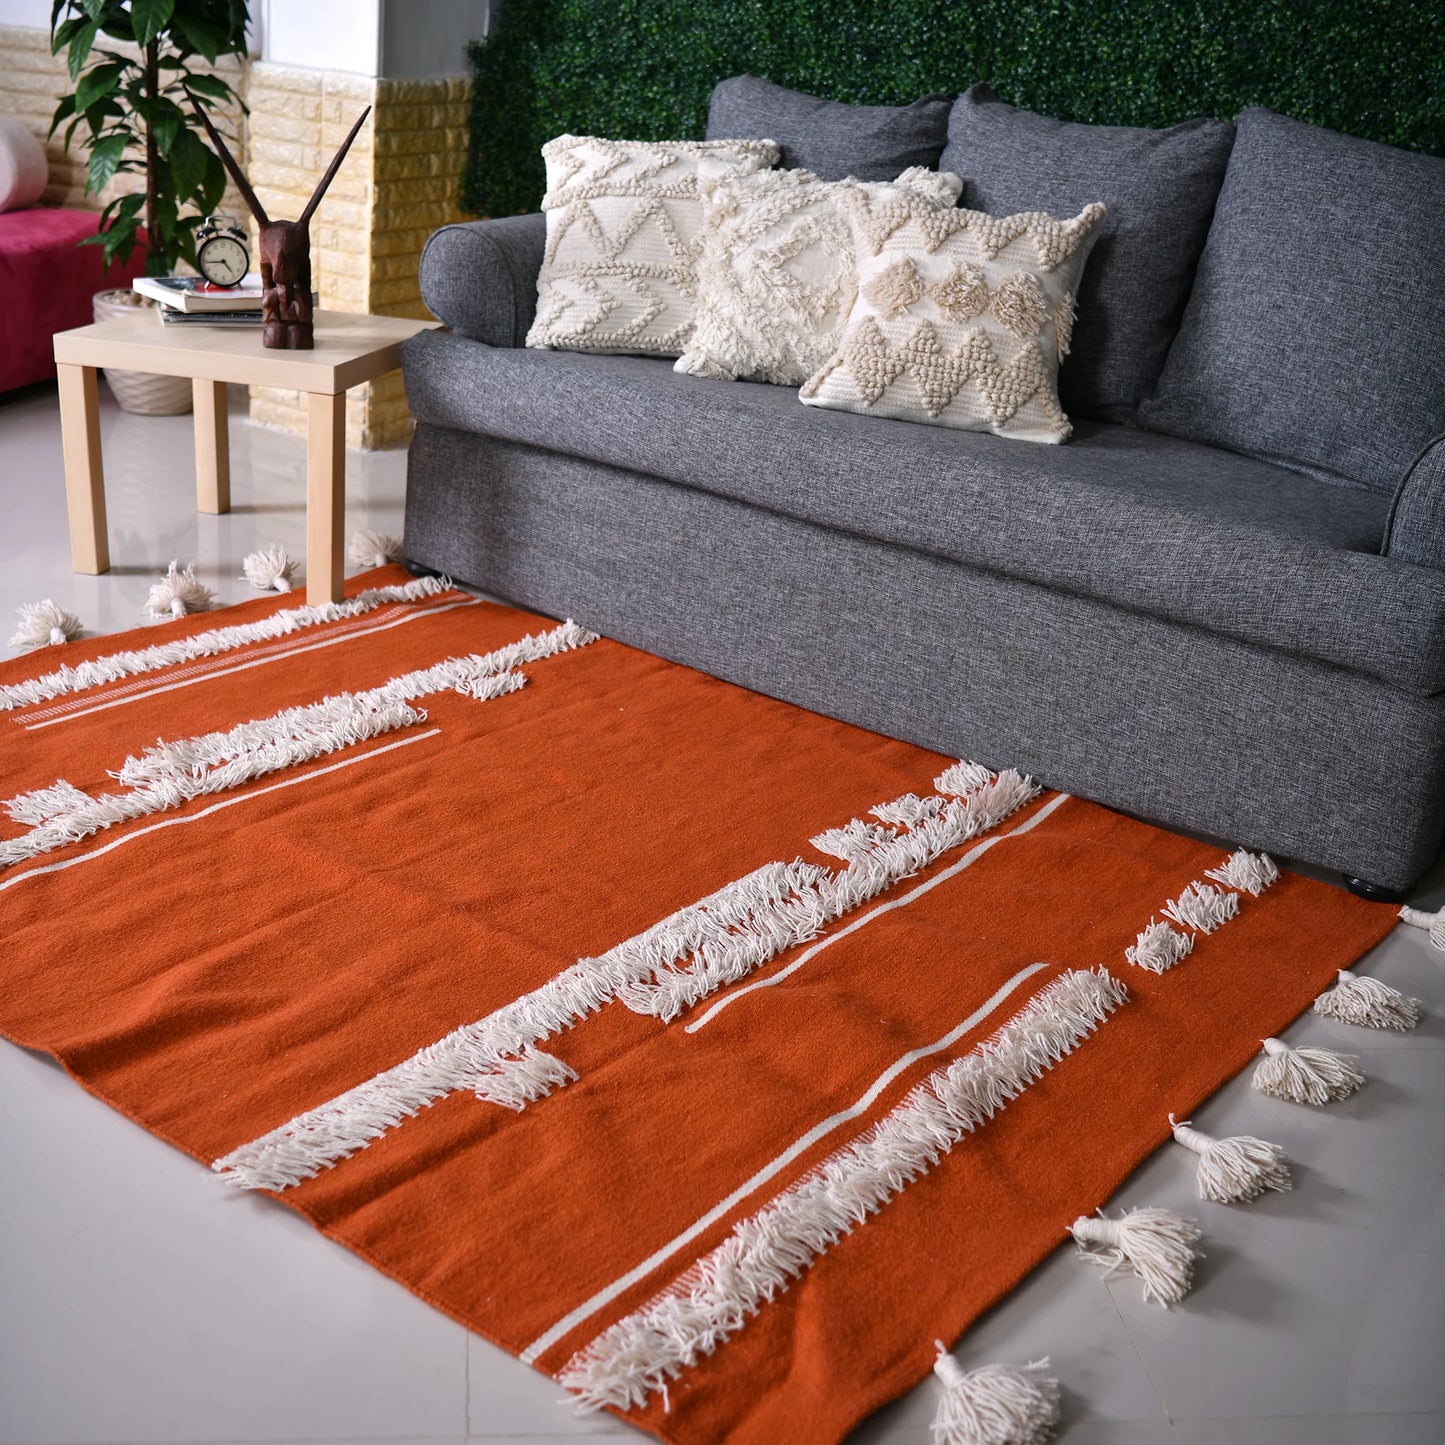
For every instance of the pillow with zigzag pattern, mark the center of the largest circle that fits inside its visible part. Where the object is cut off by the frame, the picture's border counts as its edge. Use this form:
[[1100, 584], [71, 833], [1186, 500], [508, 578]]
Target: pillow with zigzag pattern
[[619, 273], [961, 319]]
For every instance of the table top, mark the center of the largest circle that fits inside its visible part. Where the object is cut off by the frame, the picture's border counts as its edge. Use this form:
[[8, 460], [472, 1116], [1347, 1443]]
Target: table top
[[349, 349]]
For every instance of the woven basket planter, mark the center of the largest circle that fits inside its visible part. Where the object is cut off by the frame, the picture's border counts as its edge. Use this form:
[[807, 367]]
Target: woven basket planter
[[141, 391]]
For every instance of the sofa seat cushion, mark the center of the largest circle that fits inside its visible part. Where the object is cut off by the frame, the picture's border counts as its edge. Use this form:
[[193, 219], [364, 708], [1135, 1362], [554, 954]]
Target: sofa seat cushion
[[1148, 522], [1313, 335]]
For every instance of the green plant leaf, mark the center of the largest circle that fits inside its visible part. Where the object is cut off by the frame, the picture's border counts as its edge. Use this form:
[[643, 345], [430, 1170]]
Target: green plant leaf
[[105, 157], [97, 83], [79, 49], [149, 18], [202, 37], [166, 122], [187, 158], [65, 108], [211, 85]]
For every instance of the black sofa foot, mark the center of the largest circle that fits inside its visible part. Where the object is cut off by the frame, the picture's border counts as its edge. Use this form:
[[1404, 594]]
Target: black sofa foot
[[417, 570], [1375, 892]]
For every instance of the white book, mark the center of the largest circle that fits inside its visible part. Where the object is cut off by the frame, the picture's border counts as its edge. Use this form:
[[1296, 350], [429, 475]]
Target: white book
[[192, 293]]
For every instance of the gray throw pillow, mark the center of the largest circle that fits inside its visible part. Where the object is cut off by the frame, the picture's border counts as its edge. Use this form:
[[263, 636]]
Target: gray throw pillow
[[1315, 335], [1159, 187], [833, 140]]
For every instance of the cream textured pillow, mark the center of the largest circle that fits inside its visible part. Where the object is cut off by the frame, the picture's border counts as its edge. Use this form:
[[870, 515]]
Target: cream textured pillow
[[961, 318], [623, 222], [777, 273]]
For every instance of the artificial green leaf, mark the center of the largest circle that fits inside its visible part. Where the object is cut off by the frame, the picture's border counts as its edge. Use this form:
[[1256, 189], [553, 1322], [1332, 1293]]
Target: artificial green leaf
[[80, 45], [66, 32], [187, 157], [105, 157], [211, 85], [65, 108], [97, 83], [149, 18], [214, 185], [166, 122], [202, 37], [93, 8]]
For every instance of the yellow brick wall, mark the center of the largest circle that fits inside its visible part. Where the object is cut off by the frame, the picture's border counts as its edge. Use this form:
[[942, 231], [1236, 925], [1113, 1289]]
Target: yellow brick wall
[[396, 186], [32, 80]]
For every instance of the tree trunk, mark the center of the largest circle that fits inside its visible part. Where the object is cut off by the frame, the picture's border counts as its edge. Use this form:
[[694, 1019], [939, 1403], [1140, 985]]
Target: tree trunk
[[152, 89]]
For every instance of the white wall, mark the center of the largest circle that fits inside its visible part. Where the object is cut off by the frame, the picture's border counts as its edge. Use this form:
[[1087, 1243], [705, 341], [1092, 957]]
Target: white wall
[[25, 12], [319, 34]]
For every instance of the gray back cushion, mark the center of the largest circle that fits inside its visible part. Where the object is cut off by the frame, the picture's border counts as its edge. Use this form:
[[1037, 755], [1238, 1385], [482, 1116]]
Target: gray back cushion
[[1315, 335], [833, 140], [1160, 187]]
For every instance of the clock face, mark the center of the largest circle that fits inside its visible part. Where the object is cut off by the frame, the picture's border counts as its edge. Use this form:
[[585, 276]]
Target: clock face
[[222, 261]]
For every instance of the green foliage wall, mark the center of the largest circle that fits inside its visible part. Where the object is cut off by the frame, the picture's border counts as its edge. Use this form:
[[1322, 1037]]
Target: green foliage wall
[[643, 69]]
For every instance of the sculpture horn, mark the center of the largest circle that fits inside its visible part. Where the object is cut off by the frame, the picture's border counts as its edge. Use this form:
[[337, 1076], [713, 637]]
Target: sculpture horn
[[331, 170], [229, 161]]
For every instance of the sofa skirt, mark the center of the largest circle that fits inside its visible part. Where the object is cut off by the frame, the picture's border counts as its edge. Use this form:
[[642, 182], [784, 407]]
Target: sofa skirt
[[1256, 747]]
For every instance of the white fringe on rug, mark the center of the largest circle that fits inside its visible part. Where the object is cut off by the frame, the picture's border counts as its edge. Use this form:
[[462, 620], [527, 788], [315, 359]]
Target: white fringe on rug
[[1306, 1076], [269, 569], [1159, 947], [994, 1404], [1202, 908], [373, 549], [1237, 1169], [171, 774], [118, 665], [765, 1252], [1432, 923], [514, 1083], [1358, 999], [1155, 1244], [44, 624], [180, 591], [722, 936], [1249, 872]]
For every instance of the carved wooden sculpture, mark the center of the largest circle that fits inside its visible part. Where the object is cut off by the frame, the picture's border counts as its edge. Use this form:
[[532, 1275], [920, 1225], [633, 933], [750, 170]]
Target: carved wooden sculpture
[[285, 249]]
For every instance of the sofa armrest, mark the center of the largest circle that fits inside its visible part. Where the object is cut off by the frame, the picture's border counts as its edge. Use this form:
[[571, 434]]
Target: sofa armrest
[[1415, 531], [480, 277]]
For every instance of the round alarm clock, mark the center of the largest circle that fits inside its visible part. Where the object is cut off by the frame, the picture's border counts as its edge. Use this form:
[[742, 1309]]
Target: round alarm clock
[[221, 254]]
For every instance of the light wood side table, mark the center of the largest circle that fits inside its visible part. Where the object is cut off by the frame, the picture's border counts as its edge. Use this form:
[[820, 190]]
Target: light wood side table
[[349, 350]]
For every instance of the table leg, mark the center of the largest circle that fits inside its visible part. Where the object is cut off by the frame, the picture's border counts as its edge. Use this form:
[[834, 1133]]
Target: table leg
[[84, 479], [325, 494], [213, 446]]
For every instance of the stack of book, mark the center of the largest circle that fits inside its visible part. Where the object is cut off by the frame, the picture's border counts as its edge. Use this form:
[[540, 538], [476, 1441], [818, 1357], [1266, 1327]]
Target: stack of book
[[190, 301]]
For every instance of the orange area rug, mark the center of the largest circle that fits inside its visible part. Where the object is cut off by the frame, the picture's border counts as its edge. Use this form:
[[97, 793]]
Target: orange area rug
[[713, 1056]]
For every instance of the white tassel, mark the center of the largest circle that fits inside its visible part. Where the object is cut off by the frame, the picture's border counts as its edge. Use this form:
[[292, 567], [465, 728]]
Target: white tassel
[[1306, 1076], [1156, 1244], [373, 549], [1202, 908], [1434, 923], [270, 569], [994, 1404], [1237, 1169], [1369, 1003], [1159, 947], [44, 624], [1249, 872], [179, 592], [962, 779]]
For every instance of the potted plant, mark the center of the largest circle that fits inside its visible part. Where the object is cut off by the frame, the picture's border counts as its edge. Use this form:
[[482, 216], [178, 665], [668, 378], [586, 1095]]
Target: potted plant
[[130, 104]]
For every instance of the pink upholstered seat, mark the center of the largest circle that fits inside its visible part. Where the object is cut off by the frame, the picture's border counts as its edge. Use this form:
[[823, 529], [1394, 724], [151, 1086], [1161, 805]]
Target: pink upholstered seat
[[46, 282]]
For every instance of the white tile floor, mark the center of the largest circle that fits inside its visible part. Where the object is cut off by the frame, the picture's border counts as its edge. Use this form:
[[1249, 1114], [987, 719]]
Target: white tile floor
[[141, 1302]]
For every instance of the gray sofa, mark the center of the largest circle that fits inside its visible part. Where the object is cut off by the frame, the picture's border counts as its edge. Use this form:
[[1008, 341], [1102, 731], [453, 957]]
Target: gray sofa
[[1221, 605]]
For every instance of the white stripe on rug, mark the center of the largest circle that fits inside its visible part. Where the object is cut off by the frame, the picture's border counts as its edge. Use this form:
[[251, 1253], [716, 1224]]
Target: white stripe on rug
[[794, 1151], [117, 665], [721, 937], [190, 677], [766, 1252], [172, 774], [90, 857], [968, 859]]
